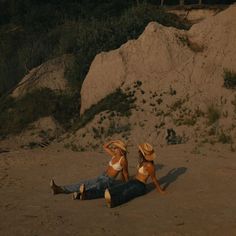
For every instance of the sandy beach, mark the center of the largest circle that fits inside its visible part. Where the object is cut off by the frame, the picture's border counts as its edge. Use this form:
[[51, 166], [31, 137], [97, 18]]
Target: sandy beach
[[200, 198]]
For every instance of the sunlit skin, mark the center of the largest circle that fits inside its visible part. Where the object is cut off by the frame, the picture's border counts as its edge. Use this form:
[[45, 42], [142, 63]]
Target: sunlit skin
[[150, 168], [117, 153]]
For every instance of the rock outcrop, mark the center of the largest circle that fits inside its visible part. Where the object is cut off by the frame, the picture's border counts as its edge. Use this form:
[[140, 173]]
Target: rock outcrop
[[50, 74], [180, 77], [164, 56]]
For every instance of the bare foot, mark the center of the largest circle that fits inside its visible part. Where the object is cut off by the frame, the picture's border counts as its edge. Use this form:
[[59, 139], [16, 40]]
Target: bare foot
[[82, 191], [55, 189], [76, 196], [107, 196]]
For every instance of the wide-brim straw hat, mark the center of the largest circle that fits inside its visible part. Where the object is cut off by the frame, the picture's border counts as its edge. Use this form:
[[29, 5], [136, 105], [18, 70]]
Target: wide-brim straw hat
[[147, 150], [120, 144]]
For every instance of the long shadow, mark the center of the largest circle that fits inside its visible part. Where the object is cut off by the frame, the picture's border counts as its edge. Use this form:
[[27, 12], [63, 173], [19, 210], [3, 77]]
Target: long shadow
[[158, 166], [169, 178]]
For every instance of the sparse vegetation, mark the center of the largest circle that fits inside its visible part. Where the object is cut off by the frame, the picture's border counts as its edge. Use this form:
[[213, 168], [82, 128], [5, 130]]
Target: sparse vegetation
[[196, 150], [212, 131], [213, 114], [16, 115], [118, 101], [229, 79], [190, 121], [188, 117], [177, 105], [159, 101], [172, 138], [224, 138], [160, 125], [199, 112], [232, 148], [186, 42], [234, 103], [30, 34], [138, 83], [74, 147], [115, 128], [172, 91]]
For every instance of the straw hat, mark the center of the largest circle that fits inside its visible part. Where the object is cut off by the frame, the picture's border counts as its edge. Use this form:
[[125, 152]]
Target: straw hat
[[147, 150], [119, 144]]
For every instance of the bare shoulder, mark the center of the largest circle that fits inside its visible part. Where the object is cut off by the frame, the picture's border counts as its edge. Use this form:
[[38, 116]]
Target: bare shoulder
[[124, 160], [150, 166]]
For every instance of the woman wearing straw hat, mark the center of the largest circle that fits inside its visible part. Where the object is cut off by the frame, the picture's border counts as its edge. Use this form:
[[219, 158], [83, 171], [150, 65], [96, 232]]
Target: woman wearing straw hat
[[121, 193], [94, 188]]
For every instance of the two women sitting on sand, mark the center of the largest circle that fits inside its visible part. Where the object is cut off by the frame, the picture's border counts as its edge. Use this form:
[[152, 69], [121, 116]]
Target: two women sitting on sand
[[116, 194], [94, 188]]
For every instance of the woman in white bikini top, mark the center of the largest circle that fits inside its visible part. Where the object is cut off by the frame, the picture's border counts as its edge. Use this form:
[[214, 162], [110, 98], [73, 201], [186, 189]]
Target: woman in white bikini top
[[116, 165], [95, 187], [146, 167], [119, 162]]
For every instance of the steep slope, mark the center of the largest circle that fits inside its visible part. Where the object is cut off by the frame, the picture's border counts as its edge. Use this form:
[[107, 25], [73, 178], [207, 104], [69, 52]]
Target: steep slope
[[50, 74], [190, 58], [177, 79]]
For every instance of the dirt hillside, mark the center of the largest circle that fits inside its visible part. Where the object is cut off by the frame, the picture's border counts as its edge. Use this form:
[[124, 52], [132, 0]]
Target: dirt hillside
[[50, 74], [177, 78]]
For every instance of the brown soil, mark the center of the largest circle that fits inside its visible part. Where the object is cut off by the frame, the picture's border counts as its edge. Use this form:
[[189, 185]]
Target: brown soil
[[200, 197]]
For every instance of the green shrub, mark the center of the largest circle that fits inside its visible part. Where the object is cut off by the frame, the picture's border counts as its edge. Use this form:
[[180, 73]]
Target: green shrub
[[224, 138], [85, 29], [234, 103], [229, 79], [213, 114], [33, 35], [190, 121], [177, 104], [193, 46], [118, 101], [172, 91], [115, 128], [16, 115]]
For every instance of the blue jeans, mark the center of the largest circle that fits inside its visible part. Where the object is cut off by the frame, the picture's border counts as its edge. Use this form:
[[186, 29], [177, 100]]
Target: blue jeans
[[122, 193], [95, 188]]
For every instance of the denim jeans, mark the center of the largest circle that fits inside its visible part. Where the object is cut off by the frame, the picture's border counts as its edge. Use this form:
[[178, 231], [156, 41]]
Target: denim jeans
[[122, 193], [95, 188]]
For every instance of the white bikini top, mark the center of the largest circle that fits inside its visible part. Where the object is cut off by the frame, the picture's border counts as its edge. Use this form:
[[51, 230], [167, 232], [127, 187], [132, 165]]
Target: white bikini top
[[142, 171], [116, 166]]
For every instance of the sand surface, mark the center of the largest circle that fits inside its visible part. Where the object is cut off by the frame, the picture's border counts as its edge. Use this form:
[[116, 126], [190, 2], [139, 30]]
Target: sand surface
[[200, 197]]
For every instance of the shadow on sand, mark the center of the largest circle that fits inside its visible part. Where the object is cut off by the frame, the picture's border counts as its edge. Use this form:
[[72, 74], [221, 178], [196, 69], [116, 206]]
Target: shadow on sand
[[166, 180], [159, 166]]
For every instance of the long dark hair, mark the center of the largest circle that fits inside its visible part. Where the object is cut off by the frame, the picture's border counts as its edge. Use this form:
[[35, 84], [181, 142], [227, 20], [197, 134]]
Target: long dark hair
[[124, 153], [142, 159]]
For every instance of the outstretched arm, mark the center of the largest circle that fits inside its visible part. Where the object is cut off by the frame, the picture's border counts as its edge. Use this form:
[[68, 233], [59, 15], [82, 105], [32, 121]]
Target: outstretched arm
[[158, 187], [152, 172], [125, 172], [108, 149]]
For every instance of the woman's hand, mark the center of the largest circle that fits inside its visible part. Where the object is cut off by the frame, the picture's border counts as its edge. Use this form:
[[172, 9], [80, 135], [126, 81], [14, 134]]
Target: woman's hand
[[108, 143], [107, 148], [152, 173], [161, 191]]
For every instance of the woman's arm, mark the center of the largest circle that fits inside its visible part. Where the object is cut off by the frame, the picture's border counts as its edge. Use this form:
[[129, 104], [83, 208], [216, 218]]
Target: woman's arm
[[152, 173], [125, 172], [108, 149]]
